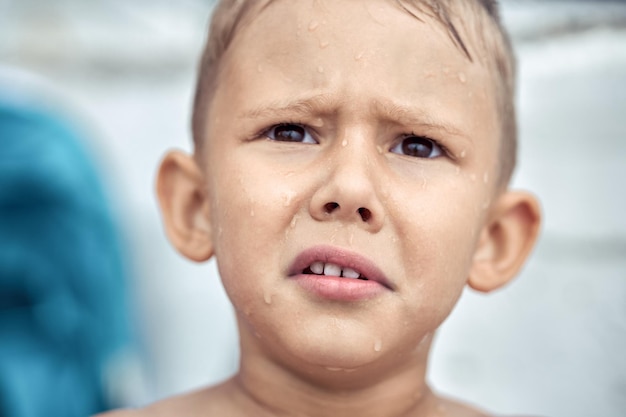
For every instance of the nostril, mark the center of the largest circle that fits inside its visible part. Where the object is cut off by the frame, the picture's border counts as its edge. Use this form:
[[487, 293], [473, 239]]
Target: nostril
[[365, 214], [330, 207]]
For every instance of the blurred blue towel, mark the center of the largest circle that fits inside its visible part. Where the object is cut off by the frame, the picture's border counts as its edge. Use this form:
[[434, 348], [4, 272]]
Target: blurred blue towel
[[62, 285]]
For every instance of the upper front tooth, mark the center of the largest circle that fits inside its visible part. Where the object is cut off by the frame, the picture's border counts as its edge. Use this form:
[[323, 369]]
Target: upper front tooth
[[350, 273], [317, 268], [332, 270]]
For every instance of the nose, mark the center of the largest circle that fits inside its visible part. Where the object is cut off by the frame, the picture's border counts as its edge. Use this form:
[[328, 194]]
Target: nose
[[349, 192]]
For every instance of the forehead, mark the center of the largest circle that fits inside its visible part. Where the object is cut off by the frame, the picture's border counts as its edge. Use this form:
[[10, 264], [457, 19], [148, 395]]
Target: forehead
[[319, 27], [342, 48]]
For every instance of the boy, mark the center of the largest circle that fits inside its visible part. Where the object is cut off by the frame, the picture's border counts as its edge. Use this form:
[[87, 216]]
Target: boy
[[350, 176]]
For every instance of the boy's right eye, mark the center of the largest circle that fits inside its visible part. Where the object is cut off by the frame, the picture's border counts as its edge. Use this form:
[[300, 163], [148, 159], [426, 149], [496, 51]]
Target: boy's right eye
[[289, 132]]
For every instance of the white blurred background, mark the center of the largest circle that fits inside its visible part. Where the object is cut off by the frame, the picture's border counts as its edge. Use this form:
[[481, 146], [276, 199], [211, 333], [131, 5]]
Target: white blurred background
[[553, 343]]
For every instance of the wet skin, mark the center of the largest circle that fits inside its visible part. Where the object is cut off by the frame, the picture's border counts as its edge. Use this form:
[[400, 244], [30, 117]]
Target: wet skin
[[309, 142], [343, 138]]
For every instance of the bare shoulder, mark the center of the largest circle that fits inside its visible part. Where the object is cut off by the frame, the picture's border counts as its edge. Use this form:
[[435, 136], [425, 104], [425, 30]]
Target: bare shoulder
[[455, 408], [198, 403]]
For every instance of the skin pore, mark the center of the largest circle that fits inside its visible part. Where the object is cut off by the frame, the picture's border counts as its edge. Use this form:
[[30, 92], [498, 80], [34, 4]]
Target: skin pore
[[328, 141]]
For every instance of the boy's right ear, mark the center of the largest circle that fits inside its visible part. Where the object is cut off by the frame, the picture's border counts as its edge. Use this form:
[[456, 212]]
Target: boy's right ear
[[184, 205]]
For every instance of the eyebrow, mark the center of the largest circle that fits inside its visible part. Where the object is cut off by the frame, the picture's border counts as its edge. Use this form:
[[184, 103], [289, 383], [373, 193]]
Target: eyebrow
[[307, 106], [324, 104], [411, 116]]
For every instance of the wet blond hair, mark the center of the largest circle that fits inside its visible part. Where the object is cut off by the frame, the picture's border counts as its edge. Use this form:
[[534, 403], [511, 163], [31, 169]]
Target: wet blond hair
[[484, 40]]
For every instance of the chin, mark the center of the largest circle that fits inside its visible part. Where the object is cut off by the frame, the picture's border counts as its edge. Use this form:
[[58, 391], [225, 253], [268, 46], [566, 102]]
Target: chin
[[329, 350], [341, 365], [344, 357]]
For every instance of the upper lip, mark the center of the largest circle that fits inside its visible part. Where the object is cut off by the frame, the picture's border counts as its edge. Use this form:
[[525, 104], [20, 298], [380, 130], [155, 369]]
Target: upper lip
[[341, 257]]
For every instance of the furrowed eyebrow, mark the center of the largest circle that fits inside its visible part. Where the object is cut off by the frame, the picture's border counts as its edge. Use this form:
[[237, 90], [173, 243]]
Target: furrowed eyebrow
[[410, 116], [327, 104], [313, 105]]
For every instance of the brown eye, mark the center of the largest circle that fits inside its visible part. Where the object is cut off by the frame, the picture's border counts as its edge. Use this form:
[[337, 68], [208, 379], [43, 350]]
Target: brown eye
[[290, 132], [418, 147]]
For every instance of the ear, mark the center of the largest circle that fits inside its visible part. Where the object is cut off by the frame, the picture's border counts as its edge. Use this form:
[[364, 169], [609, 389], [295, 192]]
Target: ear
[[184, 206], [505, 241]]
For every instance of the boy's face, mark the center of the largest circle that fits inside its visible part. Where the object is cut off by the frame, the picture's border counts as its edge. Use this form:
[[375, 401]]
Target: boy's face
[[362, 89]]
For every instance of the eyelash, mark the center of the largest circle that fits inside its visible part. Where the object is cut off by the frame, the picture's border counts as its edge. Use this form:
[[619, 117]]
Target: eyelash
[[271, 133], [436, 147]]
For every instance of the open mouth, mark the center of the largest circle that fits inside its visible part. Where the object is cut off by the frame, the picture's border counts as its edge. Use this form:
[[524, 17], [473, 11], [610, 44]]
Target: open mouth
[[350, 275], [338, 274], [333, 270]]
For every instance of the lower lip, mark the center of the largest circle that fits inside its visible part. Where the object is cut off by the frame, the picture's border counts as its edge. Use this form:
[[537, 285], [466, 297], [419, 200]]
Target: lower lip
[[339, 289]]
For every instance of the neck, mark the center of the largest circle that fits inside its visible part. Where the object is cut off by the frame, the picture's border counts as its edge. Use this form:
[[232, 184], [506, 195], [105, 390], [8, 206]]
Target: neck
[[278, 388]]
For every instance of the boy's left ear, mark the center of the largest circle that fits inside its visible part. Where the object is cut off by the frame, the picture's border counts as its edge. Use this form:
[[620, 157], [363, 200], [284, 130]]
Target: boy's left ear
[[506, 240]]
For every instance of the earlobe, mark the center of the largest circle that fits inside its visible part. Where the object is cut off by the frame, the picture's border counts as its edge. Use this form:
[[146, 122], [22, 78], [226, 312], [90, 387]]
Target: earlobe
[[506, 240], [184, 206]]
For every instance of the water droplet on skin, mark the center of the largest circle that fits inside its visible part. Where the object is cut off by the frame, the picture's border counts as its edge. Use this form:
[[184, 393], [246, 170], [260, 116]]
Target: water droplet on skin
[[378, 345], [344, 143], [463, 153], [320, 69], [313, 25], [294, 221], [324, 44], [267, 297], [379, 149], [462, 77], [319, 122], [351, 238], [333, 237], [288, 199], [486, 177]]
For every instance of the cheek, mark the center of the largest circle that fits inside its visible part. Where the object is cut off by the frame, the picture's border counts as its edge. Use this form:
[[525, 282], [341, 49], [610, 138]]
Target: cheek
[[249, 197], [438, 243], [253, 206]]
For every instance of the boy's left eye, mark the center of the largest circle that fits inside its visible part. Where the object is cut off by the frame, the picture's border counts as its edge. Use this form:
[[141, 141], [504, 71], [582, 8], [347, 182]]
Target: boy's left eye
[[418, 147], [289, 132]]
